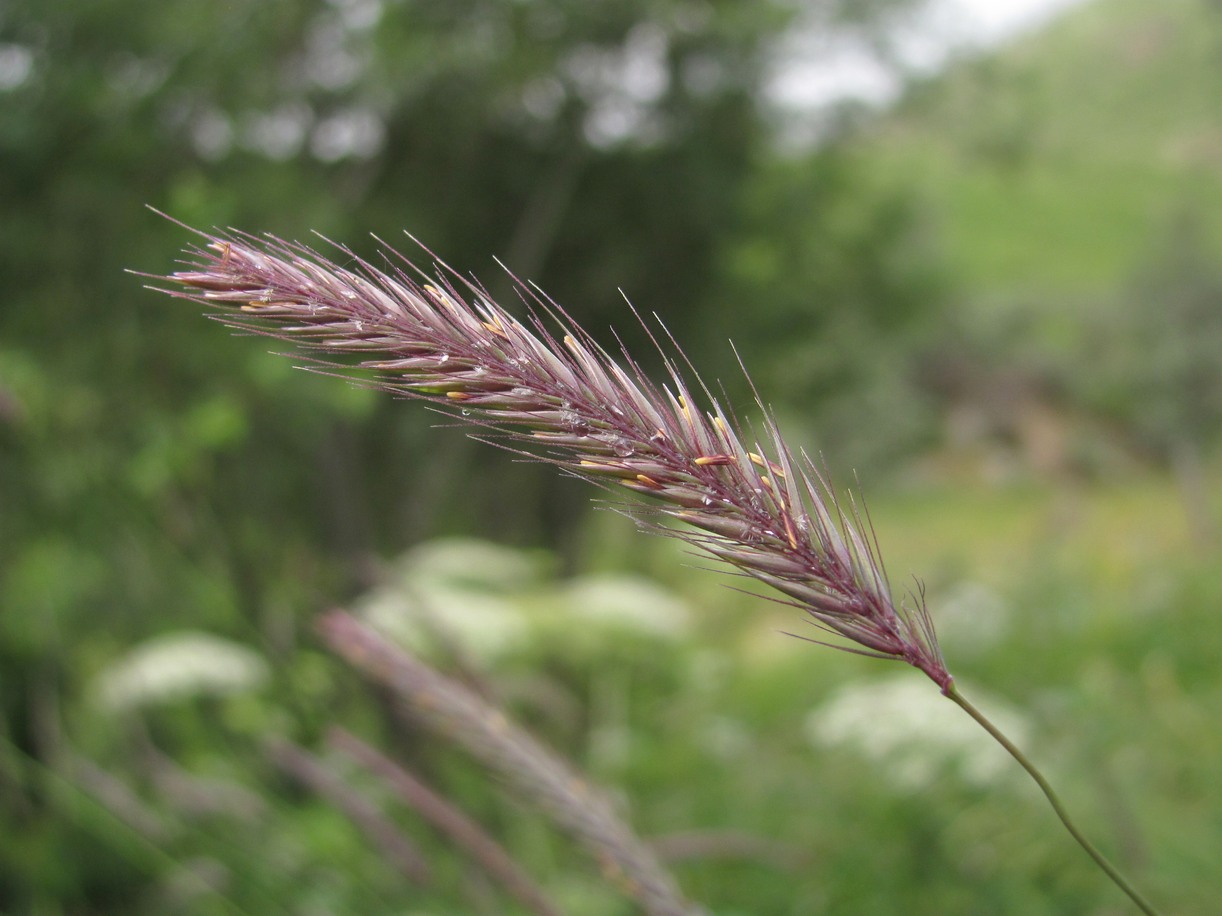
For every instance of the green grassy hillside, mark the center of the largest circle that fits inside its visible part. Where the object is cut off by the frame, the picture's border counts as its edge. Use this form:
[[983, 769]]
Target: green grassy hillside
[[1050, 167]]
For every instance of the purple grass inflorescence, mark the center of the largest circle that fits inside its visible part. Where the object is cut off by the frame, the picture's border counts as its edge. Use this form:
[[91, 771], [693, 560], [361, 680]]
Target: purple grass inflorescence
[[545, 388]]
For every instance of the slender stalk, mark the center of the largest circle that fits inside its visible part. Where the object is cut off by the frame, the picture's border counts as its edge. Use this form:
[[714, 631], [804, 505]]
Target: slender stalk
[[952, 691], [448, 819], [539, 775], [382, 832], [66, 791]]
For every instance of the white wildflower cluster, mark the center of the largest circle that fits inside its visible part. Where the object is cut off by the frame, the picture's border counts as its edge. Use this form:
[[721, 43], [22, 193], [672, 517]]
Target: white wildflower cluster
[[974, 616], [916, 737], [490, 601], [455, 591], [628, 603], [179, 665]]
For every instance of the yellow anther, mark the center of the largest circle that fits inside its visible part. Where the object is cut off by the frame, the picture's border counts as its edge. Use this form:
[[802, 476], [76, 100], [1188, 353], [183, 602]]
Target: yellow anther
[[439, 296], [458, 395], [761, 461], [715, 459], [789, 532], [601, 466], [649, 482]]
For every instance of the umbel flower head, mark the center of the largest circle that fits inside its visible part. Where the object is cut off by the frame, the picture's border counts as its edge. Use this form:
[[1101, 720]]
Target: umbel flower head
[[545, 388]]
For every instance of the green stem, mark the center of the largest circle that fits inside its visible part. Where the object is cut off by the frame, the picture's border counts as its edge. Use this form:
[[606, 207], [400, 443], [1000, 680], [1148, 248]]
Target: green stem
[[1109, 869]]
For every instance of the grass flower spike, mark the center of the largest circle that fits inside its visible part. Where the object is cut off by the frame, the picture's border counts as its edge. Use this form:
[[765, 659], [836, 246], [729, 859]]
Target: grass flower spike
[[558, 396], [544, 388]]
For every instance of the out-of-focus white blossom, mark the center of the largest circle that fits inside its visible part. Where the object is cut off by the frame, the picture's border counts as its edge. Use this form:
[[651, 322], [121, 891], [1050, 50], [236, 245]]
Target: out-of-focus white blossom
[[629, 603], [916, 736], [974, 616], [177, 665], [471, 562], [454, 590], [429, 613], [491, 600]]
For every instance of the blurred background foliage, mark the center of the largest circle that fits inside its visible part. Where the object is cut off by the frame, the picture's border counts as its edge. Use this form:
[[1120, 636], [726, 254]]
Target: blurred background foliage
[[999, 299]]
